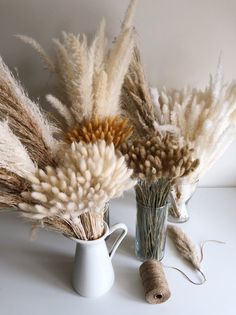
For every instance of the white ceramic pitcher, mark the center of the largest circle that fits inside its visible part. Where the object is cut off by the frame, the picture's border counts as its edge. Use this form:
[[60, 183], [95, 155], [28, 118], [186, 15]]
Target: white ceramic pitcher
[[93, 273]]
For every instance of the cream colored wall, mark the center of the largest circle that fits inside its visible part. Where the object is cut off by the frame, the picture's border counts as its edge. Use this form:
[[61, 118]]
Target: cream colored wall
[[180, 42]]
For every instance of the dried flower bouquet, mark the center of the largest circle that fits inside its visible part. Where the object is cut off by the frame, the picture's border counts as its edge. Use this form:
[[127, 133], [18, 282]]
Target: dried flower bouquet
[[205, 119], [158, 156], [90, 78], [62, 179]]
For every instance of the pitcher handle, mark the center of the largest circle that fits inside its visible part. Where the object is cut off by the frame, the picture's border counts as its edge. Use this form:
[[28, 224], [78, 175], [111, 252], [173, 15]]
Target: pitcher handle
[[118, 226]]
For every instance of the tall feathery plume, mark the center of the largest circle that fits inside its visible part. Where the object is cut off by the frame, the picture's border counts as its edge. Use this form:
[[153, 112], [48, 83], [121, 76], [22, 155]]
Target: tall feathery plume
[[26, 139], [66, 188], [92, 77], [26, 120]]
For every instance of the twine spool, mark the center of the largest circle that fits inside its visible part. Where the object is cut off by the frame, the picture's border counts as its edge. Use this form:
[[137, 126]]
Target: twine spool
[[154, 282]]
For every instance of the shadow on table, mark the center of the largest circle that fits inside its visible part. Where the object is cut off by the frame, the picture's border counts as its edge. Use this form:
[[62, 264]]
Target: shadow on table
[[129, 283], [46, 266], [127, 247]]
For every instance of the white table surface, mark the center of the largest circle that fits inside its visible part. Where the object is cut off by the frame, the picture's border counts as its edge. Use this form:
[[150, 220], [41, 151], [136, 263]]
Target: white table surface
[[35, 275]]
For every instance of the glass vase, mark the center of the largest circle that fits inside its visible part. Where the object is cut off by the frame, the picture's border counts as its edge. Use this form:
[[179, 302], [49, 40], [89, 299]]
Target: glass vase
[[179, 197], [151, 223], [151, 232]]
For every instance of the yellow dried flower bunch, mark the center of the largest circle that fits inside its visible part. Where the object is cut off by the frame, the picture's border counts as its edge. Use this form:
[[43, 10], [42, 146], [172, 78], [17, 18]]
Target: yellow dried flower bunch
[[113, 129], [156, 156]]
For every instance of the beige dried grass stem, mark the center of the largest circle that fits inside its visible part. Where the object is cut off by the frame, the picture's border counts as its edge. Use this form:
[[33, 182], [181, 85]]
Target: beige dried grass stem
[[89, 226], [152, 210]]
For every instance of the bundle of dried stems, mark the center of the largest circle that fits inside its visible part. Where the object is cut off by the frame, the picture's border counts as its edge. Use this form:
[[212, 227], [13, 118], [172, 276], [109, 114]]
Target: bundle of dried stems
[[57, 184]]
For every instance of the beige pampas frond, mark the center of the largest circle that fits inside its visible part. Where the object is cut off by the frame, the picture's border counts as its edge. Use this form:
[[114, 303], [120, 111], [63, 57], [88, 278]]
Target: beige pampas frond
[[61, 108], [91, 75], [185, 246], [88, 176], [114, 130], [136, 98], [45, 58], [25, 119], [15, 166], [14, 157], [129, 15]]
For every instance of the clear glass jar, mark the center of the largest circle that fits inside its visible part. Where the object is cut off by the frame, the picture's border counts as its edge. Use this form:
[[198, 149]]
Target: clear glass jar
[[180, 195], [151, 229]]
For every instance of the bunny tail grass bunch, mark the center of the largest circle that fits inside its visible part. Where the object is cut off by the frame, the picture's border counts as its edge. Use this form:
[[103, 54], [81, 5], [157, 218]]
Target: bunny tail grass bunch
[[91, 76], [76, 191], [62, 179]]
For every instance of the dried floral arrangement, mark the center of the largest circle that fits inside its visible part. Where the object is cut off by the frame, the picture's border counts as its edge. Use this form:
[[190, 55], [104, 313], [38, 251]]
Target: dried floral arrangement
[[158, 156], [155, 151], [62, 179], [90, 78], [205, 119]]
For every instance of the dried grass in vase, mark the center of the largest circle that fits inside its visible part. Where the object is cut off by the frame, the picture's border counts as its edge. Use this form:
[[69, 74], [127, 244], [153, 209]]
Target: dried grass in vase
[[65, 184], [157, 162], [159, 157]]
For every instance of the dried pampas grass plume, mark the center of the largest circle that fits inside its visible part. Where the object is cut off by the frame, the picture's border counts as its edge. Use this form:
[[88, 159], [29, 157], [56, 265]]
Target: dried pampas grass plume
[[136, 98], [185, 246], [187, 249], [91, 75], [114, 130], [14, 156], [25, 120]]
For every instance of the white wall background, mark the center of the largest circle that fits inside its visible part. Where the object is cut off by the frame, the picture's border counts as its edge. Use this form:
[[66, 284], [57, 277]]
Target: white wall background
[[180, 42]]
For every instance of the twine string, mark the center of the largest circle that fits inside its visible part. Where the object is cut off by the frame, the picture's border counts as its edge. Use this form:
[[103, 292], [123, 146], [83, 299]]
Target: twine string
[[203, 243], [187, 277]]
